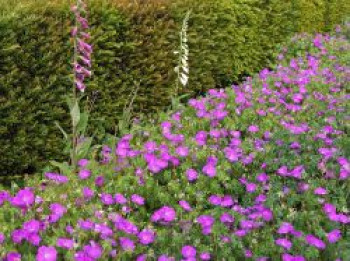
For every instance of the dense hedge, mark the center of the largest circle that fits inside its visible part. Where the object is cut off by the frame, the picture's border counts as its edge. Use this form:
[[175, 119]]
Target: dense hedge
[[133, 43]]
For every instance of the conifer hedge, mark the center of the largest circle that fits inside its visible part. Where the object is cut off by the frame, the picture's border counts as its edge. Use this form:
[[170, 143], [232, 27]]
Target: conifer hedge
[[134, 43]]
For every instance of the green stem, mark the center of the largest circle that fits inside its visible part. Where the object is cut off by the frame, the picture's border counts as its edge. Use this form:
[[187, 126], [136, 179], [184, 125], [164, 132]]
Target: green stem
[[74, 138]]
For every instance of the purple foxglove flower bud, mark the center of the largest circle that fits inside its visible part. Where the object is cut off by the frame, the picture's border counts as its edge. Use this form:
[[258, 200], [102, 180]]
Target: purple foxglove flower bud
[[83, 22], [80, 85], [86, 36], [74, 31]]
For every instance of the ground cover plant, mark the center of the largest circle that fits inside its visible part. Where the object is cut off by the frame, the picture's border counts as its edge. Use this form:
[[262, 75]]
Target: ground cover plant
[[257, 171]]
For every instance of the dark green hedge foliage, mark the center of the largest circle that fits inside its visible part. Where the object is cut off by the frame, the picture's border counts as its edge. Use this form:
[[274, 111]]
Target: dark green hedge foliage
[[133, 43]]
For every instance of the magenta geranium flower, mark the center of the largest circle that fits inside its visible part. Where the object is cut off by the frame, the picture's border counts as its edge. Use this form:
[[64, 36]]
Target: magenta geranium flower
[[104, 230], [314, 241], [81, 256], [250, 187], [284, 242], [93, 250], [285, 228], [58, 209], [46, 253], [209, 170], [248, 253], [329, 208], [60, 179], [260, 198], [18, 235], [88, 193], [232, 154], [334, 236], [85, 224], [262, 177], [283, 171], [188, 251], [227, 218], [295, 145], [150, 146], [69, 229], [107, 199], [247, 224], [205, 221], [120, 199], [146, 236], [297, 172], [182, 151], [320, 191], [66, 243], [205, 256], [226, 201], [185, 205], [327, 153], [302, 187], [165, 214], [127, 226], [84, 174], [23, 199], [33, 239], [99, 181], [127, 244], [288, 257], [253, 128], [191, 175], [215, 200], [83, 163], [168, 214], [201, 138], [142, 257], [137, 199], [13, 256], [2, 238], [31, 226]]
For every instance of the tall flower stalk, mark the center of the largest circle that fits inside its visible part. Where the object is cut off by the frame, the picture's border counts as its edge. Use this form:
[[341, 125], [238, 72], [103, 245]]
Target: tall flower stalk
[[81, 65], [82, 50], [182, 68], [78, 144]]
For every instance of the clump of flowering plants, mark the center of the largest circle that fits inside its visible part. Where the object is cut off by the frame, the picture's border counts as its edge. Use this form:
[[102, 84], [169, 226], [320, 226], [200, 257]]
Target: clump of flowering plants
[[259, 171]]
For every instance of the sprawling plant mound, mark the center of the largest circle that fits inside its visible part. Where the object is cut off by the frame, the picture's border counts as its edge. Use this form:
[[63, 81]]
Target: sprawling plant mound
[[259, 171]]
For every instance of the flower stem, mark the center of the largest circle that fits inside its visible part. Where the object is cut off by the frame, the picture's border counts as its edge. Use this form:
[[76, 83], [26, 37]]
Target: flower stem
[[74, 136]]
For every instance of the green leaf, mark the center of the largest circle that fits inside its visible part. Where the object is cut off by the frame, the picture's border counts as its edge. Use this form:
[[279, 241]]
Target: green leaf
[[75, 114], [83, 122], [64, 167], [69, 102], [83, 148], [62, 130]]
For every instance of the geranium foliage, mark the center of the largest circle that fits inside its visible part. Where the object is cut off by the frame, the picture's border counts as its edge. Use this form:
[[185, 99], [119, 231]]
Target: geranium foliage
[[257, 171]]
